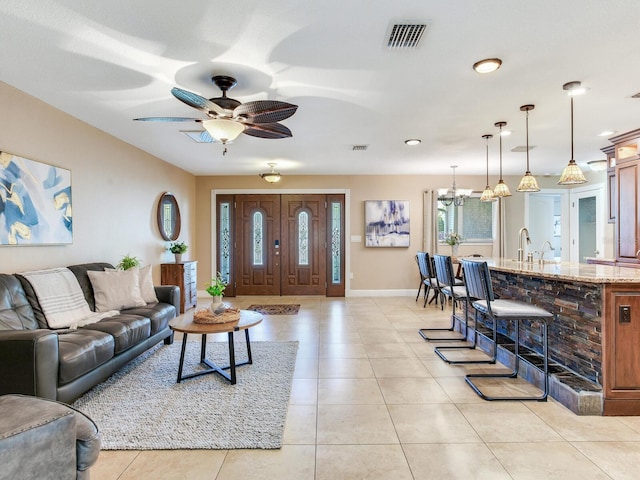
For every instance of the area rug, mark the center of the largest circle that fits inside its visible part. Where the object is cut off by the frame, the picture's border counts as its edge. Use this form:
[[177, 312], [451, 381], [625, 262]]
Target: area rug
[[276, 309], [141, 407]]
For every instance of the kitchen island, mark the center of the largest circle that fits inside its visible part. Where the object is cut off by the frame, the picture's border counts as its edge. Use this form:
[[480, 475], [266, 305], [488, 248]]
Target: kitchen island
[[594, 343]]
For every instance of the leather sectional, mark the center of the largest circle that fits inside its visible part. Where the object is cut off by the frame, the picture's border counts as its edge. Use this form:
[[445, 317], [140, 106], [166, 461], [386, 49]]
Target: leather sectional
[[63, 364]]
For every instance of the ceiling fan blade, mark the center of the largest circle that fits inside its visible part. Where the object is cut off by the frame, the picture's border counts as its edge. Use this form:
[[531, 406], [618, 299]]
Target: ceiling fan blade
[[168, 119], [265, 111], [267, 130], [196, 101]]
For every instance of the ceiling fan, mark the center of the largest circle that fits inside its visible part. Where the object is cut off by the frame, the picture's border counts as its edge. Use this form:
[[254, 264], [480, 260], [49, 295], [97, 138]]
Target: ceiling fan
[[228, 117]]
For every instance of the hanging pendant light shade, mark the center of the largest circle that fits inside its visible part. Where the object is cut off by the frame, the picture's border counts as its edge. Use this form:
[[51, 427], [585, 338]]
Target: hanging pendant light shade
[[487, 194], [501, 189], [528, 182], [572, 174]]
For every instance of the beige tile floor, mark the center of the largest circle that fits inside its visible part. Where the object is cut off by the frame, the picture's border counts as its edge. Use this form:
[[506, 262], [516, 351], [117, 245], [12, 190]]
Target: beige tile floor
[[370, 400]]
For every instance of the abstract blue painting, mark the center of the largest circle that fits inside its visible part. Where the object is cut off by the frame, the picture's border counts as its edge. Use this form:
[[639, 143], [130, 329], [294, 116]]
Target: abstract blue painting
[[35, 202], [387, 223]]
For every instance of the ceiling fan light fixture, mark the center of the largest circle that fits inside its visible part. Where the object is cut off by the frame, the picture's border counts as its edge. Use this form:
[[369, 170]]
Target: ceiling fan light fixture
[[487, 65], [572, 173], [223, 130], [413, 141], [272, 176]]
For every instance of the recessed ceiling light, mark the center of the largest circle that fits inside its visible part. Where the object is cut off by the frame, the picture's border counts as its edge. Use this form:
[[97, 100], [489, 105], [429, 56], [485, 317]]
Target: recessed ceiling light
[[606, 133], [598, 165], [413, 141], [505, 133], [487, 65]]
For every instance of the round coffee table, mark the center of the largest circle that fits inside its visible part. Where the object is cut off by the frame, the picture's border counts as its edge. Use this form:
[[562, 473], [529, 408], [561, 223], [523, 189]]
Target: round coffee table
[[185, 325]]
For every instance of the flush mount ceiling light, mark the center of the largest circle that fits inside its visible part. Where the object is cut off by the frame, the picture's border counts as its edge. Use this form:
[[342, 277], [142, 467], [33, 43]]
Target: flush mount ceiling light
[[453, 196], [487, 194], [413, 141], [501, 190], [572, 174], [487, 65], [528, 183], [272, 176], [597, 165]]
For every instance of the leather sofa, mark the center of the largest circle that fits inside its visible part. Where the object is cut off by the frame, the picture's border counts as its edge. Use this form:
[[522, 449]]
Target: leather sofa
[[45, 440], [63, 364]]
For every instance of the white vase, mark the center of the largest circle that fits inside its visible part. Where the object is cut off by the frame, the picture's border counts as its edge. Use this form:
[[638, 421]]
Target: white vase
[[178, 257], [454, 250], [216, 304]]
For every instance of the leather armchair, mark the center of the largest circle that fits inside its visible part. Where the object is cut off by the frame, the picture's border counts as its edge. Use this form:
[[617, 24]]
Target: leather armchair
[[43, 439]]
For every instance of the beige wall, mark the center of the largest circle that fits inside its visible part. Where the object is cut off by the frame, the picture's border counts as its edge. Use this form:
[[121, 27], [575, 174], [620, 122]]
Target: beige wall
[[372, 268], [115, 188]]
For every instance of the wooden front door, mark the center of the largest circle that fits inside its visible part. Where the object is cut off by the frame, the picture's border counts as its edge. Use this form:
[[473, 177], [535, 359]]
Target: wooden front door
[[304, 230], [257, 235], [281, 244]]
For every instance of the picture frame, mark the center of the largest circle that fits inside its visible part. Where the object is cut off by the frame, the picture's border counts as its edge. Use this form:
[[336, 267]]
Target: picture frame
[[35, 202], [387, 223]]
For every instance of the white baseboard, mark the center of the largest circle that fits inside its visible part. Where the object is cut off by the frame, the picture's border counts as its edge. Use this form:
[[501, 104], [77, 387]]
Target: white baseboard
[[381, 293]]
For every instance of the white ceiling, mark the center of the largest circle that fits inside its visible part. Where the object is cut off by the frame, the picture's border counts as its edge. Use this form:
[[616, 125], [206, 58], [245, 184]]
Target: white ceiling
[[107, 62]]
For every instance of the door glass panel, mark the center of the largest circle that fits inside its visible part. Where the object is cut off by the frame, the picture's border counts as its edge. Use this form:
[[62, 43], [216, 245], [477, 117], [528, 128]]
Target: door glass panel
[[303, 238], [225, 241], [258, 233], [587, 228], [335, 242]]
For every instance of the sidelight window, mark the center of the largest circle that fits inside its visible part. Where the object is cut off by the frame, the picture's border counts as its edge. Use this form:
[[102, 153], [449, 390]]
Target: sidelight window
[[335, 242], [225, 241]]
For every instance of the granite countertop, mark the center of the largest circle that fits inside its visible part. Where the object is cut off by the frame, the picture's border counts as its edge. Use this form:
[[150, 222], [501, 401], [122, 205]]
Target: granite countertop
[[583, 272]]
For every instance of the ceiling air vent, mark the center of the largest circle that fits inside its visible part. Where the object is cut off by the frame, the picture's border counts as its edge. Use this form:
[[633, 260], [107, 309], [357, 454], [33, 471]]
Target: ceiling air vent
[[406, 35], [522, 148], [357, 148]]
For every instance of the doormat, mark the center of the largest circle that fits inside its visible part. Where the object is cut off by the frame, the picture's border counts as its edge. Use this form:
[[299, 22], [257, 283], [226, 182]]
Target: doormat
[[276, 309]]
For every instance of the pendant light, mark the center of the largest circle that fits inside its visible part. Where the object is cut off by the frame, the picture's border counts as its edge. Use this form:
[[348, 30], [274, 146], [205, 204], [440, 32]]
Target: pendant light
[[272, 176], [487, 194], [528, 182], [501, 190], [572, 174]]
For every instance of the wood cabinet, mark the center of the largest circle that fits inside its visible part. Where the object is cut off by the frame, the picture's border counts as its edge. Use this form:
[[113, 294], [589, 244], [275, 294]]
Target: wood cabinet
[[184, 275], [624, 190], [621, 357]]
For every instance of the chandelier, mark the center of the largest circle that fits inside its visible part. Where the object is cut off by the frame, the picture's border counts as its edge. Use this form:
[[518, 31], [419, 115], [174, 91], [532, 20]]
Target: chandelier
[[454, 195]]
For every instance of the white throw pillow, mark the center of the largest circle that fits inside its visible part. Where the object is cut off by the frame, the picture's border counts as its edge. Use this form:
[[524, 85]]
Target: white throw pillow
[[147, 290], [116, 289]]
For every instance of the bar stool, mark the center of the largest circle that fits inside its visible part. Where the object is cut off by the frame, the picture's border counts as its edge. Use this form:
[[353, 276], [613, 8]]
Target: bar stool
[[448, 287], [444, 271], [478, 281]]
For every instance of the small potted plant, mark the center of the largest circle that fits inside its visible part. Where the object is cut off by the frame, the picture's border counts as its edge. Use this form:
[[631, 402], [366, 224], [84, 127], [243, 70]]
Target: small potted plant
[[178, 248], [128, 262], [453, 239], [215, 288]]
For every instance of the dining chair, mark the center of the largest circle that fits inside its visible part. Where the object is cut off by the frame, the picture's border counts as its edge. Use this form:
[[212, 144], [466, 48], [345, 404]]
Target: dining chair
[[478, 281], [427, 277], [448, 287]]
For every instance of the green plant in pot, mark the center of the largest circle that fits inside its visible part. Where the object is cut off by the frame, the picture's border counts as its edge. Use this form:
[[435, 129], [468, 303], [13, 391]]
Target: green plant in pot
[[128, 262], [215, 288], [178, 248]]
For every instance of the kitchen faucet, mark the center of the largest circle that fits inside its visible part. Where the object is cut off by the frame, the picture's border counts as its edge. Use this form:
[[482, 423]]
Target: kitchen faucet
[[520, 244], [546, 242]]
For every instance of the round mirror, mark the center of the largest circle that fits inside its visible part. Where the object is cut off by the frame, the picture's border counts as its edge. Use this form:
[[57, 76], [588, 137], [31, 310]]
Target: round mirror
[[168, 217]]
